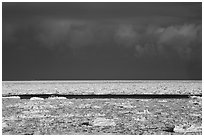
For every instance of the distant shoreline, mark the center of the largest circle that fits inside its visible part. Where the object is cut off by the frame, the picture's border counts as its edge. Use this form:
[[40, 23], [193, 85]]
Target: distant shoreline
[[97, 81]]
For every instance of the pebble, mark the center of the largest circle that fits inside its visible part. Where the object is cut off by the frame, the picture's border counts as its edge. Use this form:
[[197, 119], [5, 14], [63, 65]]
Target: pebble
[[103, 122], [36, 98]]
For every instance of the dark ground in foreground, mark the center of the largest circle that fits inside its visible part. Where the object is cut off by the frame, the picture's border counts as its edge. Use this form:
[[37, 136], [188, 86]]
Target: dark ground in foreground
[[102, 116]]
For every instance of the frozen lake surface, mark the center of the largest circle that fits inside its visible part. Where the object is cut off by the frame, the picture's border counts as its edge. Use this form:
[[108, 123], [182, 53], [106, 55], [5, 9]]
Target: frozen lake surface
[[103, 87]]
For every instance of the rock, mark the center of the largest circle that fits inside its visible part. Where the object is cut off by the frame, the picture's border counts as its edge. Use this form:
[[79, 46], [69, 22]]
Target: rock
[[140, 119], [125, 112], [195, 97], [36, 98], [169, 128], [103, 122], [97, 107], [144, 100], [144, 112], [4, 125], [85, 124], [127, 106], [162, 101], [84, 106], [11, 118], [193, 128], [194, 102], [57, 98], [179, 129], [195, 115], [100, 115], [12, 97]]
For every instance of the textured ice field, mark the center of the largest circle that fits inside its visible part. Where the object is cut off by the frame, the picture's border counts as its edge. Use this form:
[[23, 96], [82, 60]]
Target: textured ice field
[[37, 116], [102, 87], [125, 116]]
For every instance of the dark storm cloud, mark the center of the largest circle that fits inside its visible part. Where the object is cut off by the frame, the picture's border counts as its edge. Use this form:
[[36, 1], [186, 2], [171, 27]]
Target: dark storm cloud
[[152, 40], [88, 33], [103, 10]]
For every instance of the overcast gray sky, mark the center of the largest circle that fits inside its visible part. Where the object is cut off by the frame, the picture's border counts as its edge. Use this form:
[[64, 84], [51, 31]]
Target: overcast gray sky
[[44, 41]]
